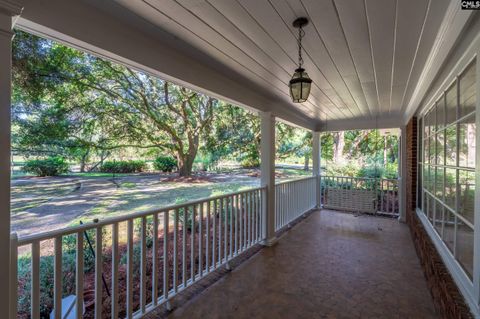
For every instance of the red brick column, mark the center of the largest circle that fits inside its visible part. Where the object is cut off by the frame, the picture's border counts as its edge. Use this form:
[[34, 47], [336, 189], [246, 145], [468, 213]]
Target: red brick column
[[448, 300], [411, 158]]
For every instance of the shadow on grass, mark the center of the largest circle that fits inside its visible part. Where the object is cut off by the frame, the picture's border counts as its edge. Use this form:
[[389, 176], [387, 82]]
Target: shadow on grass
[[131, 199]]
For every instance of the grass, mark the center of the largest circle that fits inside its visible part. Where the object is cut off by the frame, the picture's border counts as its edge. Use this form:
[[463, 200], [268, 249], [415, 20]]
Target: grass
[[293, 172], [130, 199], [97, 174], [28, 196], [133, 194], [128, 185]]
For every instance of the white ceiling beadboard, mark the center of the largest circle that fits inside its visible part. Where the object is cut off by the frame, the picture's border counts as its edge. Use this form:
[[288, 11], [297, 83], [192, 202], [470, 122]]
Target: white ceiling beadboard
[[364, 56]]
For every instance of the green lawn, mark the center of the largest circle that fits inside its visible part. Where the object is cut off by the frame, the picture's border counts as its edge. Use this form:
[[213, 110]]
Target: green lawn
[[133, 198], [130, 192], [27, 196]]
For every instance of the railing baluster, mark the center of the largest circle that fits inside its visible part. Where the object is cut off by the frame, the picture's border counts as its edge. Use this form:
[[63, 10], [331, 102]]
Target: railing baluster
[[192, 246], [200, 240], [382, 196], [57, 280], [214, 234], [244, 228], [225, 233], [257, 220], [231, 226], [155, 260], [115, 261], [35, 290], [143, 265], [250, 219], [254, 216], [129, 296], [236, 224], [220, 226], [184, 246], [290, 204], [166, 270], [207, 238], [98, 273], [175, 250]]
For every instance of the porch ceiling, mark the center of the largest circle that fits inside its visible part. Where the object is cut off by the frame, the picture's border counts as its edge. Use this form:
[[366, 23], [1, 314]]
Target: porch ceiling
[[366, 58]]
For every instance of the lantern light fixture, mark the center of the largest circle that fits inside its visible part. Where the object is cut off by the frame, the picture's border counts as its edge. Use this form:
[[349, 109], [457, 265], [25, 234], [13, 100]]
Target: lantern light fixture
[[300, 83]]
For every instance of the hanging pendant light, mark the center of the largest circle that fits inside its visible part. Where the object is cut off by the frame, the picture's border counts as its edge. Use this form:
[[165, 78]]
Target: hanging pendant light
[[300, 83]]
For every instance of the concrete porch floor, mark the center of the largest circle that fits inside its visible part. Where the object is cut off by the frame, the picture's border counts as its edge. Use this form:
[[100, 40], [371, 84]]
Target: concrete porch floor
[[330, 265]]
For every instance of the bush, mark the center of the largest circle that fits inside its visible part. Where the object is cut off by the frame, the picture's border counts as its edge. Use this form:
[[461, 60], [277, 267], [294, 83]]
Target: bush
[[207, 162], [371, 171], [165, 163], [249, 162], [123, 166], [51, 166]]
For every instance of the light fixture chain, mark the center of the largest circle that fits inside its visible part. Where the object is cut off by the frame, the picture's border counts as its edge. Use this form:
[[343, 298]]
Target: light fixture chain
[[301, 33]]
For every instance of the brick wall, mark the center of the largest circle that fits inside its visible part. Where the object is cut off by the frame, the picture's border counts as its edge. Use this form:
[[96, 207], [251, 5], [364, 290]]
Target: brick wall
[[448, 300], [411, 164]]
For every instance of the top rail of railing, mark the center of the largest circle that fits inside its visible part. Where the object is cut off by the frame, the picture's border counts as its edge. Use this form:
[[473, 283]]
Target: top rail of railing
[[361, 178], [296, 180], [28, 239]]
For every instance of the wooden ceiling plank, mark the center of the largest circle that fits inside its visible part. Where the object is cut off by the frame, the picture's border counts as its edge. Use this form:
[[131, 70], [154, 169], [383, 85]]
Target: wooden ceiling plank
[[286, 16], [436, 11], [326, 22], [281, 33], [247, 26], [381, 21], [411, 15], [354, 23], [189, 27]]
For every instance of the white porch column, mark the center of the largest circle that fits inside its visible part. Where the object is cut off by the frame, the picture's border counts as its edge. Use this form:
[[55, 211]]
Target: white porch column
[[402, 167], [7, 11], [316, 158], [267, 167]]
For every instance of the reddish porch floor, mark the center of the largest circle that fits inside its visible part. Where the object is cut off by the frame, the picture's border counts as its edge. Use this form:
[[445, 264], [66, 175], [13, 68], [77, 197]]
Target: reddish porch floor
[[331, 265]]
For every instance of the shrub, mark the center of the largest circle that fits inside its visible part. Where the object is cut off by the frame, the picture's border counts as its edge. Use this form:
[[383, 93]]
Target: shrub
[[206, 162], [249, 162], [371, 171], [123, 166], [51, 166], [165, 163]]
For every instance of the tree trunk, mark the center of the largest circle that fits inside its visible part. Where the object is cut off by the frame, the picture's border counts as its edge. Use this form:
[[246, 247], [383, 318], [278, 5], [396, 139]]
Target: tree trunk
[[185, 166], [185, 161], [83, 161], [385, 151], [339, 144], [307, 159]]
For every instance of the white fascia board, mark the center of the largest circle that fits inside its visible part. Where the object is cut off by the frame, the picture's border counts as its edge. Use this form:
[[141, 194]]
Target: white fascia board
[[393, 121]]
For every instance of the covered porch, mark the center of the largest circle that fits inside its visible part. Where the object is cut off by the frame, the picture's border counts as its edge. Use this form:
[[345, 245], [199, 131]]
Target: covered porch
[[388, 69]]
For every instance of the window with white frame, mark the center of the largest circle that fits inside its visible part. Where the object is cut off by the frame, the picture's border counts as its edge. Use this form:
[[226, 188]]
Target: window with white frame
[[447, 135]]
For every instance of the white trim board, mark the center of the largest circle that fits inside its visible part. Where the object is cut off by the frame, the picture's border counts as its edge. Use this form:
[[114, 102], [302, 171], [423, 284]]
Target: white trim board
[[393, 121]]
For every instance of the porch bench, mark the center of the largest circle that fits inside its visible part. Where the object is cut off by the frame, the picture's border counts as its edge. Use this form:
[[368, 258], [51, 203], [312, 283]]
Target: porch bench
[[355, 200]]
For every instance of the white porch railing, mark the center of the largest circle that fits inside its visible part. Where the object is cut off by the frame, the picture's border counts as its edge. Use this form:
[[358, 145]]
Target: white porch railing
[[171, 248], [357, 193], [294, 198], [149, 257]]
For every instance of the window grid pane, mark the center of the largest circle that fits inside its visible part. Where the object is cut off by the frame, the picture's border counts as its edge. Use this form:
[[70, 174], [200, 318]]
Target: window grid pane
[[447, 159]]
